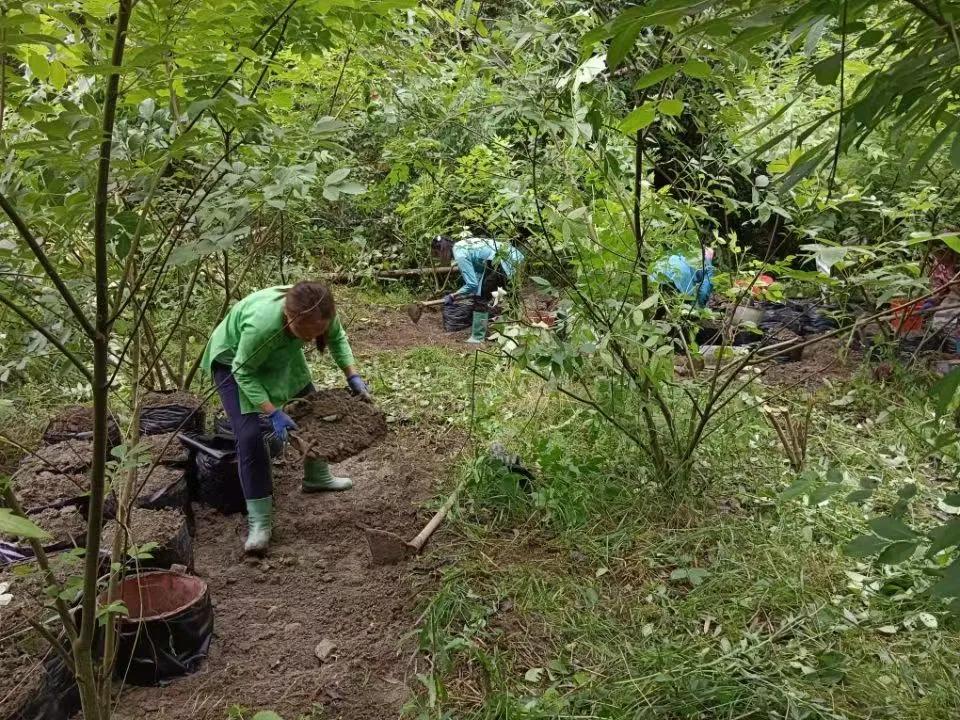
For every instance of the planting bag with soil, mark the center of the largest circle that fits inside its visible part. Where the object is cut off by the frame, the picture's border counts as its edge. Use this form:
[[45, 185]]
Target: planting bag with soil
[[165, 412], [161, 487], [213, 477], [66, 526], [76, 423], [458, 315], [335, 425], [168, 630], [35, 684], [165, 449], [168, 529], [54, 476]]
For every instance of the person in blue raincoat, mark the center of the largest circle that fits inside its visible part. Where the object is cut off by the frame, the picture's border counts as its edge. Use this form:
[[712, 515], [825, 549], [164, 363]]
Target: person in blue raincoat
[[682, 276], [485, 265]]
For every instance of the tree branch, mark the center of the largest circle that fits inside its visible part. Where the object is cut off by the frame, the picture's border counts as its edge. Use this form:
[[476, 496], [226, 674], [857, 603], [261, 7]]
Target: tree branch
[[51, 338], [47, 265]]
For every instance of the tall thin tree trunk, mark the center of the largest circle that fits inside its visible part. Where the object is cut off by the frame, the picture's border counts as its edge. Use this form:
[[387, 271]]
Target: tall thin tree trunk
[[83, 646]]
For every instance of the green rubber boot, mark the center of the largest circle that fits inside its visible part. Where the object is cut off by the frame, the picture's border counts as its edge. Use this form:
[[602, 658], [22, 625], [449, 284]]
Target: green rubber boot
[[317, 478], [480, 322], [259, 525]]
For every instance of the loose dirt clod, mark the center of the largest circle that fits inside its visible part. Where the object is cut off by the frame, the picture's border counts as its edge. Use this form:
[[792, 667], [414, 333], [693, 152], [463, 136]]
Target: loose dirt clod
[[334, 425], [70, 456]]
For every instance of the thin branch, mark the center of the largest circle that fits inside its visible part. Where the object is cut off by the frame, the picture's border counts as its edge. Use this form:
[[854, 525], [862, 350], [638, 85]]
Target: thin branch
[[47, 265], [51, 338], [843, 67]]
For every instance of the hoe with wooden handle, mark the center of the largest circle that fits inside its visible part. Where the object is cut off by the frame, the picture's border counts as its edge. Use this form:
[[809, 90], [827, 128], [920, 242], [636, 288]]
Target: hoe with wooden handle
[[387, 548], [415, 310]]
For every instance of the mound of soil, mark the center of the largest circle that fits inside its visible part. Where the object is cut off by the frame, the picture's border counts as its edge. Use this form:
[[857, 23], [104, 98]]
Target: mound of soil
[[21, 676], [334, 425], [76, 422], [161, 399], [66, 526], [165, 449], [166, 528]]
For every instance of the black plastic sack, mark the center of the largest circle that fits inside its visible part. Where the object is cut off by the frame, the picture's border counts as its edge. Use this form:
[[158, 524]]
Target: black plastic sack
[[168, 630], [222, 426], [158, 417], [458, 315], [214, 479], [57, 696], [803, 317]]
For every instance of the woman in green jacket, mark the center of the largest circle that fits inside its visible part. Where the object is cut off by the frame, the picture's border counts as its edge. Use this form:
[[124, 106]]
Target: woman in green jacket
[[255, 357]]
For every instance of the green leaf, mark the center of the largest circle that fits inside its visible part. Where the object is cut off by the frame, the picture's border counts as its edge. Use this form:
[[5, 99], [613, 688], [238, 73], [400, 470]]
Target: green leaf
[[945, 536], [955, 152], [58, 75], [952, 499], [622, 44], [944, 390], [697, 69], [266, 715], [827, 71], [898, 552], [19, 526], [949, 585], [859, 495], [864, 546], [533, 675], [640, 118], [870, 38], [891, 528], [331, 192], [337, 176], [352, 188], [798, 488], [823, 493], [671, 106], [655, 76], [38, 66]]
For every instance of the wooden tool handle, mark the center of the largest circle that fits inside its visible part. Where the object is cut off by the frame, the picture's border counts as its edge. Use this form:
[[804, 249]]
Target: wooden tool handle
[[420, 540]]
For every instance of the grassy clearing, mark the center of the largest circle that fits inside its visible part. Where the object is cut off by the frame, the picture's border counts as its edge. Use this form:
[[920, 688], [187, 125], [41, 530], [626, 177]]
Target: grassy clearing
[[591, 597]]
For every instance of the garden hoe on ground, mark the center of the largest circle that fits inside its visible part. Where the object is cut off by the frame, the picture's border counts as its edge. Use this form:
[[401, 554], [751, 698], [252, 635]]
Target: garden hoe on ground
[[415, 310]]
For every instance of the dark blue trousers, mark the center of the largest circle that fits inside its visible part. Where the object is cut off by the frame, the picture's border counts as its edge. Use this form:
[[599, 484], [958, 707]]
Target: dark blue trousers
[[253, 456]]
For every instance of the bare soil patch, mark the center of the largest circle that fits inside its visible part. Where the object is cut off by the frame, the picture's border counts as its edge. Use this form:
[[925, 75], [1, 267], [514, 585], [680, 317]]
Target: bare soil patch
[[316, 584]]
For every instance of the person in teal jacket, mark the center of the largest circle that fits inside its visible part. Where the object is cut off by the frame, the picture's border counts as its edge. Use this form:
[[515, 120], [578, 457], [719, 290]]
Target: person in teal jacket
[[255, 358], [684, 278], [484, 265]]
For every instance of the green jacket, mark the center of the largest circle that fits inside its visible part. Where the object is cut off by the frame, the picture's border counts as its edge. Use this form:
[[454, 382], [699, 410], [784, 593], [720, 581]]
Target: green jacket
[[267, 362]]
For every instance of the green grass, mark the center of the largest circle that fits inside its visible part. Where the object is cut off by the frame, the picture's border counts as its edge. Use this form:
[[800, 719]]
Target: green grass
[[592, 597]]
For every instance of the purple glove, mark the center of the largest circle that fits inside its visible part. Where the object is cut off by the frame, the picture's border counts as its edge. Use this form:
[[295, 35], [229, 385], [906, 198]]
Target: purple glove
[[281, 424], [449, 299], [359, 387]]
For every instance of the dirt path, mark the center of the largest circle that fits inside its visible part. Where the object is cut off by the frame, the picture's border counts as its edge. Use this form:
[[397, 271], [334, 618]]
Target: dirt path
[[391, 329], [317, 584]]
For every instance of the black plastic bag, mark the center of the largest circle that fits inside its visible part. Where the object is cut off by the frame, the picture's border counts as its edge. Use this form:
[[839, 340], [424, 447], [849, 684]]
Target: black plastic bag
[[158, 417], [222, 426], [168, 631], [214, 479], [57, 698], [458, 315]]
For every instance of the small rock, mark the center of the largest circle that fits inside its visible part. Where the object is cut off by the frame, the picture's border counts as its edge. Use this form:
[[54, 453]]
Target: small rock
[[327, 578], [291, 628], [288, 561], [182, 569], [330, 418], [230, 580], [265, 566], [324, 649], [272, 609]]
